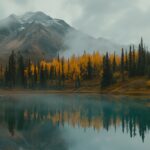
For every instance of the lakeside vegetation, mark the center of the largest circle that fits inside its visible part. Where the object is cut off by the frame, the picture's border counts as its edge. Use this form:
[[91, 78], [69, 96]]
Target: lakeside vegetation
[[89, 70]]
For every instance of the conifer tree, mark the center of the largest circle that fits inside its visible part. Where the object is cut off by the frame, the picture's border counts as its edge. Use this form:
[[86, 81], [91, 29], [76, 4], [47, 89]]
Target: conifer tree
[[59, 76], [20, 70], [46, 75], [68, 68], [42, 77], [122, 64], [35, 76], [63, 73], [12, 70], [107, 76], [51, 73], [114, 63], [134, 63], [89, 69], [29, 74], [141, 59], [130, 62], [126, 62]]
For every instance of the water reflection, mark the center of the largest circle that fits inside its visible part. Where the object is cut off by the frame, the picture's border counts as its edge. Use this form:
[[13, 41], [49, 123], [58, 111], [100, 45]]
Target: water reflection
[[40, 117]]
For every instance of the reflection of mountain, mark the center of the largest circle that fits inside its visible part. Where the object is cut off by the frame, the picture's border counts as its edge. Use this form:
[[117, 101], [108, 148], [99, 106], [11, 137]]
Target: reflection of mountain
[[37, 137], [26, 118], [26, 133]]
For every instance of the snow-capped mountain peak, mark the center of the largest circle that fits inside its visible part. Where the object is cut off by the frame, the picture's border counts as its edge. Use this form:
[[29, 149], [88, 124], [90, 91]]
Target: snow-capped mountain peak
[[37, 35], [30, 17], [33, 17]]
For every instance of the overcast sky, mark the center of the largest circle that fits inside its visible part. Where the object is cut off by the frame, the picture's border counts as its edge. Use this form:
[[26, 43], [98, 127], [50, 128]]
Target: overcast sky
[[123, 21]]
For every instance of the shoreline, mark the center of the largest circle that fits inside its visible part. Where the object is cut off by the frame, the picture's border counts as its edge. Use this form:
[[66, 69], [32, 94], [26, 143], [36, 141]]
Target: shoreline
[[75, 91], [132, 87]]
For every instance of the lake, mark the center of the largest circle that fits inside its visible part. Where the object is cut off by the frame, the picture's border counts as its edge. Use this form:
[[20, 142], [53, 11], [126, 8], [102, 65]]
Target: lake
[[74, 122]]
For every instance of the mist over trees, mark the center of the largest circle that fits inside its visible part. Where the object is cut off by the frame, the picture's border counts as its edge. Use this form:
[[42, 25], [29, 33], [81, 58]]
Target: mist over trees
[[58, 73]]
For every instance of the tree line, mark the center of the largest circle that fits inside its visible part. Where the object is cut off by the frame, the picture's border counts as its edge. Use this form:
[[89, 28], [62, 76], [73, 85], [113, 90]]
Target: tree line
[[107, 69], [132, 63]]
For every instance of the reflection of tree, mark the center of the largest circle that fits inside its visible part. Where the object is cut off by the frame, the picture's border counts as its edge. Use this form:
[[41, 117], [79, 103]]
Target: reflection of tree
[[37, 132], [131, 116], [10, 118], [20, 119]]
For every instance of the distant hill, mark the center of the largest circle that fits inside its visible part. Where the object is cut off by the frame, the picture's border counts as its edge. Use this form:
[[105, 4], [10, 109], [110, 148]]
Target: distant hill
[[37, 35]]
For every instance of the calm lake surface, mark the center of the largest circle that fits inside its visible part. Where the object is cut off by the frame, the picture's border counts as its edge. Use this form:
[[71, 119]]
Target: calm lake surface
[[74, 122]]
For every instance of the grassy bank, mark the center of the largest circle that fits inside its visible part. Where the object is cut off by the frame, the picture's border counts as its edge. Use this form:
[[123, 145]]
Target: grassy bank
[[136, 86]]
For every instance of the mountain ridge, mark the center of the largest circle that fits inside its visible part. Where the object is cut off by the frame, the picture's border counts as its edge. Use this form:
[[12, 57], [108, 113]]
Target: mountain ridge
[[38, 35]]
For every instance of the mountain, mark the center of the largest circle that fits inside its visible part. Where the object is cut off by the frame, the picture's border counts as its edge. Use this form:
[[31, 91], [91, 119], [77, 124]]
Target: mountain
[[37, 35]]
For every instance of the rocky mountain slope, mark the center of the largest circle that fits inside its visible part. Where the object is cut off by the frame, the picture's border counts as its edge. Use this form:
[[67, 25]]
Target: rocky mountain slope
[[37, 35]]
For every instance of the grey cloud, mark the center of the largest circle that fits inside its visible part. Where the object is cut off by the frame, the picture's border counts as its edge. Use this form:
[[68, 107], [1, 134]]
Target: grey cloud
[[21, 1], [123, 21]]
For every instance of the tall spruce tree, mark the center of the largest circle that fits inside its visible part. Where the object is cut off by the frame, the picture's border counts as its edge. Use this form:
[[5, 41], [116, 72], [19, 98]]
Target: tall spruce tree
[[122, 65], [141, 59], [35, 76], [130, 62], [89, 69], [20, 71], [62, 72], [134, 63], [51, 73], [12, 70], [42, 77], [114, 63], [46, 74], [29, 74], [126, 62], [107, 76], [59, 76]]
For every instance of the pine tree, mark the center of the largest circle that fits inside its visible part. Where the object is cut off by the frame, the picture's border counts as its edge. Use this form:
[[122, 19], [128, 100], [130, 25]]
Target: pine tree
[[68, 68], [114, 63], [51, 74], [134, 63], [55, 74], [46, 75], [130, 62], [59, 76], [29, 74], [141, 59], [89, 69], [147, 63], [126, 62], [20, 71], [42, 77], [122, 64], [12, 70], [63, 73], [35, 76], [107, 77]]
